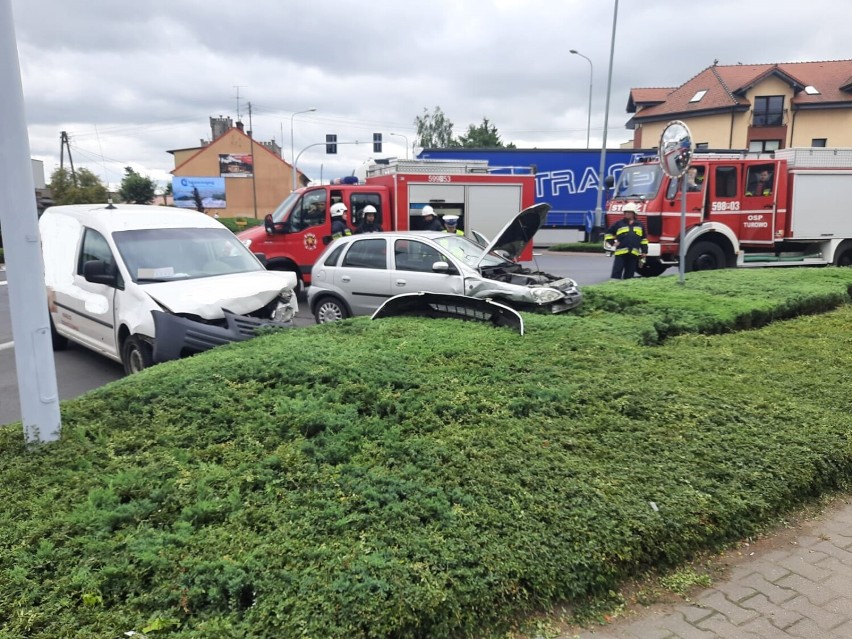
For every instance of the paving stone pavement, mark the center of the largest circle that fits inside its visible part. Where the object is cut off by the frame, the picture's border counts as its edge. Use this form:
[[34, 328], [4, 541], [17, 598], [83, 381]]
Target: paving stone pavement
[[800, 587]]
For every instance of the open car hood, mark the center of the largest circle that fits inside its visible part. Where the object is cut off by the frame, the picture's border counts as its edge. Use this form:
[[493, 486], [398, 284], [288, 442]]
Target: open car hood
[[240, 293], [519, 232]]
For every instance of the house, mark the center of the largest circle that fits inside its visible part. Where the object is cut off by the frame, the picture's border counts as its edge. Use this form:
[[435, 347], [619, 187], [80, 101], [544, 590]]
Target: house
[[759, 107], [237, 176]]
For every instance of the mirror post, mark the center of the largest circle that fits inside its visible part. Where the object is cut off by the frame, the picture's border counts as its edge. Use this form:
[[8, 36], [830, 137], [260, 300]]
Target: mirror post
[[675, 154], [681, 262]]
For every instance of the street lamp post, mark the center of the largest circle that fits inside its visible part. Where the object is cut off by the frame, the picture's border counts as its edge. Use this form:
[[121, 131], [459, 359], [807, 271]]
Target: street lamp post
[[400, 135], [599, 217], [591, 80], [292, 151]]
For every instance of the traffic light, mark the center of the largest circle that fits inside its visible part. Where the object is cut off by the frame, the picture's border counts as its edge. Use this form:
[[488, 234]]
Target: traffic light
[[377, 142], [331, 143]]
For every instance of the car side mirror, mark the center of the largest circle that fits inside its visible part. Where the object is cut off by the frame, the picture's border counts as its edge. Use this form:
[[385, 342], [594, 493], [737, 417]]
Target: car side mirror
[[440, 267], [268, 224], [609, 182], [326, 240], [261, 257], [99, 272]]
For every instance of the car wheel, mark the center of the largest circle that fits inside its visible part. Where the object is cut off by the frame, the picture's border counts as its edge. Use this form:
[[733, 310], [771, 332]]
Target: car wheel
[[136, 355], [843, 257], [328, 309], [705, 256], [60, 343]]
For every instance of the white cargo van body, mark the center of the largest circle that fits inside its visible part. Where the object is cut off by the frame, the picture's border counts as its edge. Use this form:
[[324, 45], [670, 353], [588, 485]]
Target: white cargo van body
[[142, 284]]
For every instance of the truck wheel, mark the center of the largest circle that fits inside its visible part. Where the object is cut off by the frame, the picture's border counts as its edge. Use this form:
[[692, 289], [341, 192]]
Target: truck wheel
[[59, 342], [843, 257], [328, 309], [704, 256], [653, 267], [136, 355]]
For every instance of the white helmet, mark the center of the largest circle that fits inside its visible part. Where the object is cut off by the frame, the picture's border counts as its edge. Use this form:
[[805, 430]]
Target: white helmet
[[428, 210], [338, 210], [369, 209], [630, 207], [451, 220]]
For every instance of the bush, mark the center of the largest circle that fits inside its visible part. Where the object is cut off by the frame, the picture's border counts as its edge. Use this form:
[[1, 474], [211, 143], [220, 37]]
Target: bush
[[428, 478]]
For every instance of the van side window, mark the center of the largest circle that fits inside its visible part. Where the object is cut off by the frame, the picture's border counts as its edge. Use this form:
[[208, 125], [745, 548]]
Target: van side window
[[726, 181], [95, 247]]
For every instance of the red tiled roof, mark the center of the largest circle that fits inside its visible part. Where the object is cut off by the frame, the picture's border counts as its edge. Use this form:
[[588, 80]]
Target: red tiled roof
[[726, 85]]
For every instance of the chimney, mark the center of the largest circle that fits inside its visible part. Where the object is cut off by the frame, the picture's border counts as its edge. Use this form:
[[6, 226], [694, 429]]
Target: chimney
[[240, 125]]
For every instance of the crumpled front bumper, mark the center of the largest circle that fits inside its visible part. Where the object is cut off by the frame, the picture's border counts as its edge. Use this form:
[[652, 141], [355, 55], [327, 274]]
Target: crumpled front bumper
[[176, 336]]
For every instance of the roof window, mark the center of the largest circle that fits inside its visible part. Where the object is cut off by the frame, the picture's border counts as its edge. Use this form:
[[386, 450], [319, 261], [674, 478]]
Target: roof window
[[700, 94], [811, 90]]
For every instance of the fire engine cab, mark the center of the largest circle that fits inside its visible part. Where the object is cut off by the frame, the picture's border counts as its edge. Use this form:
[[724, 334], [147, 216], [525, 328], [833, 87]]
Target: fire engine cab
[[484, 198], [791, 207]]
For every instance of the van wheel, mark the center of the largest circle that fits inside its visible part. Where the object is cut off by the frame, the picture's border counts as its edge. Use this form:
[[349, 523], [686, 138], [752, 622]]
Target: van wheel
[[136, 355], [59, 342], [704, 256], [843, 257], [330, 310]]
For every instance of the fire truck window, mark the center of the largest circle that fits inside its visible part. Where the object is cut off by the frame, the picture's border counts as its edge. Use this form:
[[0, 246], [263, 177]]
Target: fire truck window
[[308, 212], [759, 180], [694, 182], [357, 203], [726, 181]]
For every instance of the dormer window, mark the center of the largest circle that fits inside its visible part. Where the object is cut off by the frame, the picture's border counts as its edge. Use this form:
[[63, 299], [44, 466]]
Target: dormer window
[[768, 111], [698, 95]]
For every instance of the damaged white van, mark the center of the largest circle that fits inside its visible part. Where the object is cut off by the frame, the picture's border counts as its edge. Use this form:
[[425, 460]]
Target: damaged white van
[[144, 284]]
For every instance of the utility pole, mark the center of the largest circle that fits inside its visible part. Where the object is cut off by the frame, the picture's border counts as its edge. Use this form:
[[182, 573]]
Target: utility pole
[[64, 144], [253, 167]]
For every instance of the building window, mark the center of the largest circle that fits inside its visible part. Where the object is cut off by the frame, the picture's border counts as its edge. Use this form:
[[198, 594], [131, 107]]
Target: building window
[[768, 111], [761, 146], [819, 142]]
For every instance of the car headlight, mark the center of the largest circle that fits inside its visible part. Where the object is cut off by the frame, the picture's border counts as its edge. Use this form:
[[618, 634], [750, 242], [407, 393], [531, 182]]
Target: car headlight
[[546, 295], [287, 306], [247, 243]]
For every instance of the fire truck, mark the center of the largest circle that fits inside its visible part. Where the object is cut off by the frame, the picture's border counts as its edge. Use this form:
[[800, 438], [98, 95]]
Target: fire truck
[[787, 208], [485, 198]]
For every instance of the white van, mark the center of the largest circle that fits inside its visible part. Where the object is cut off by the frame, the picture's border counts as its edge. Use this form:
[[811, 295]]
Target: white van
[[144, 284]]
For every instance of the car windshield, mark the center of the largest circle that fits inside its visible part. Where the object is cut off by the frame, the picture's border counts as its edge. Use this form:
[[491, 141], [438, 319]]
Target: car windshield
[[162, 255], [470, 252], [641, 181]]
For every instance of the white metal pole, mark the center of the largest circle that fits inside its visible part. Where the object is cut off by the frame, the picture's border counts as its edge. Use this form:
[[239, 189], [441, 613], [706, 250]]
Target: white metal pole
[[681, 267], [591, 84], [25, 270], [292, 147]]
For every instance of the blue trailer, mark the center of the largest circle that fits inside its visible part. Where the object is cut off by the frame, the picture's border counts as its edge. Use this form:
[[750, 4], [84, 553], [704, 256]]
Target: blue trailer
[[567, 179]]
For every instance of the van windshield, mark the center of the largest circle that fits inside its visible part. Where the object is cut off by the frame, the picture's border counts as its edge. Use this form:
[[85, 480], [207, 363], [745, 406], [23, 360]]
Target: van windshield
[[162, 255]]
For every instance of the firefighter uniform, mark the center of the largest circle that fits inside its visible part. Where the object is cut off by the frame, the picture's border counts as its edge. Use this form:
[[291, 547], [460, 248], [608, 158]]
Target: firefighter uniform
[[631, 243]]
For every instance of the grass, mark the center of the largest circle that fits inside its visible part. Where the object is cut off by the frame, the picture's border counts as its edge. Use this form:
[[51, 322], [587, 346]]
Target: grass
[[429, 478]]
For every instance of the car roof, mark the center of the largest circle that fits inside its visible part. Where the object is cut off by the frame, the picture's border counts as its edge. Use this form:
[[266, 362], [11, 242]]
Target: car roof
[[127, 217], [405, 235]]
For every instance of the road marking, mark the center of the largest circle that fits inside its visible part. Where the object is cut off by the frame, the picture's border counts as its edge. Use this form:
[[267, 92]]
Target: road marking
[[7, 346]]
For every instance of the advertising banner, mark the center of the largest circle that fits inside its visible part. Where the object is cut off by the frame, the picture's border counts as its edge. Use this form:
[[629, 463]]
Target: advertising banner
[[199, 193], [235, 165]]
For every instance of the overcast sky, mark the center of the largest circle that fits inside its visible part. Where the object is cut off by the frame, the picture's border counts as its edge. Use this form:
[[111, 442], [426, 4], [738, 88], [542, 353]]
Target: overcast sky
[[130, 81]]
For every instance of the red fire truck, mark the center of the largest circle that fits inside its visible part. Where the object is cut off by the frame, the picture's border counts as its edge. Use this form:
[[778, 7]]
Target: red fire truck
[[790, 207], [485, 198]]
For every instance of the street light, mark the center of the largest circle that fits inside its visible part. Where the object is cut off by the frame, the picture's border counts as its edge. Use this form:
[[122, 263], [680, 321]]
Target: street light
[[400, 135], [292, 153], [591, 78]]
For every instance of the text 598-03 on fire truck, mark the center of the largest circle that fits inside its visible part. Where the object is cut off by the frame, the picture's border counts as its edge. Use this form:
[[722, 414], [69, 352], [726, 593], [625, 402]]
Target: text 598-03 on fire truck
[[791, 207], [484, 198]]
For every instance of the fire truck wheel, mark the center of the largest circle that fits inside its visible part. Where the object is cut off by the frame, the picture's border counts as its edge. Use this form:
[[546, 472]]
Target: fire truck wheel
[[329, 309], [843, 257], [704, 256]]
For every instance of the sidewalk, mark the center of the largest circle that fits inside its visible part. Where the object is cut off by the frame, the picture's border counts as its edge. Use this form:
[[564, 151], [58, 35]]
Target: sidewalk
[[796, 583]]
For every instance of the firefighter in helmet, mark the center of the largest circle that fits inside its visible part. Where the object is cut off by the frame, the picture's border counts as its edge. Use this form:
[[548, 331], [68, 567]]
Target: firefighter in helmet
[[338, 223], [430, 222], [628, 241], [369, 223]]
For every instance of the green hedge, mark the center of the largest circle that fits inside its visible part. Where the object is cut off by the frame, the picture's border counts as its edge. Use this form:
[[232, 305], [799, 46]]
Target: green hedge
[[429, 478]]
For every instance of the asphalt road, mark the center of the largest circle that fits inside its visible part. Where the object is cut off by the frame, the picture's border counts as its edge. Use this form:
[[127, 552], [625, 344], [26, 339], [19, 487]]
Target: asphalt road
[[79, 370]]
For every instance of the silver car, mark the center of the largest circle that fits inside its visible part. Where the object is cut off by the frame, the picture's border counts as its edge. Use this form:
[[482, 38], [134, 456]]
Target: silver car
[[357, 274]]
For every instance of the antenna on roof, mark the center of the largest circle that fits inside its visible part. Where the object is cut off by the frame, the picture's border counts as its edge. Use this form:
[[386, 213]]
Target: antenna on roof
[[238, 87]]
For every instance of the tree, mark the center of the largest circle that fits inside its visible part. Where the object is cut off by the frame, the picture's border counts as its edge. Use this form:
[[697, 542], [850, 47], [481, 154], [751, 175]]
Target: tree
[[87, 190], [136, 188], [434, 130], [166, 193], [484, 136]]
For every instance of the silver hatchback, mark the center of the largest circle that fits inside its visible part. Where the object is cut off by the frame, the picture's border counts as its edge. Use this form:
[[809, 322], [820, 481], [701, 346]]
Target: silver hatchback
[[357, 274]]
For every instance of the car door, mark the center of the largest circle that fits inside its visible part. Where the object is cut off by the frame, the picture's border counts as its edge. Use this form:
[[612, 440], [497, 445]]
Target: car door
[[86, 310], [412, 269], [363, 276]]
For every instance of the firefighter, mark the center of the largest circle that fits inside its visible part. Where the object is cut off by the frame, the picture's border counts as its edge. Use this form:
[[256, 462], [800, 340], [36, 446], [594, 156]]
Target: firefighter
[[629, 241], [452, 223], [430, 222], [368, 223], [338, 224]]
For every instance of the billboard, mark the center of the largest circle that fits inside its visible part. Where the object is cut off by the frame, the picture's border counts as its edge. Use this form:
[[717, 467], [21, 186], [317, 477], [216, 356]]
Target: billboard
[[199, 193], [235, 165]]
